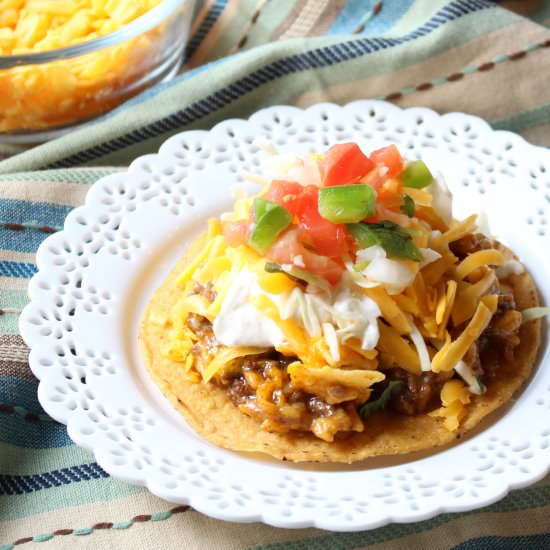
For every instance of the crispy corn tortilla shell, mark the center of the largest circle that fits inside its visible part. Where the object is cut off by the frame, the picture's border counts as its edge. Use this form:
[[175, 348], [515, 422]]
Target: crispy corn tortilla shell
[[210, 412]]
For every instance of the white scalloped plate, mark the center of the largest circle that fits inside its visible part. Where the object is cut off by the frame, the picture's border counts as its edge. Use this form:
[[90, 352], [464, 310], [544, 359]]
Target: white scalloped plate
[[96, 276]]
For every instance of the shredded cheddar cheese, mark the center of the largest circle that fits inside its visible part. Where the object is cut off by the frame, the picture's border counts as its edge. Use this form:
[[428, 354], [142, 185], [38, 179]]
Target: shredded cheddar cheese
[[428, 324], [395, 349], [225, 356], [352, 384], [59, 92], [452, 352], [477, 260], [454, 395], [390, 310], [441, 293], [420, 197], [468, 297], [449, 301], [457, 231]]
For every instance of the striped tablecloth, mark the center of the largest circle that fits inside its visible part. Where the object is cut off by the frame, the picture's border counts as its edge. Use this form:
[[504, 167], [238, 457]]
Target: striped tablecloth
[[459, 55]]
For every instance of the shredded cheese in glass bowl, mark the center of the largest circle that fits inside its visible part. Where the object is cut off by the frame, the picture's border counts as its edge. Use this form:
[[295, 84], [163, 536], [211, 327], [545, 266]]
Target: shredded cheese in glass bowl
[[67, 61]]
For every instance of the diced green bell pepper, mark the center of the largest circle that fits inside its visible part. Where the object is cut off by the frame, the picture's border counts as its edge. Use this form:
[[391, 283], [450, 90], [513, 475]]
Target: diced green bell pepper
[[415, 174], [347, 203], [270, 220]]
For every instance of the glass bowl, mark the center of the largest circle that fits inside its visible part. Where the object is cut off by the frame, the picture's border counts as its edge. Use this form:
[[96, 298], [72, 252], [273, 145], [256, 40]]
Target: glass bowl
[[42, 95]]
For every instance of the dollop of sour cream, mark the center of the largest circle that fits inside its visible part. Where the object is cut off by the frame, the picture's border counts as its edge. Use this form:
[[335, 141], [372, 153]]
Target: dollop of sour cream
[[239, 323], [346, 308]]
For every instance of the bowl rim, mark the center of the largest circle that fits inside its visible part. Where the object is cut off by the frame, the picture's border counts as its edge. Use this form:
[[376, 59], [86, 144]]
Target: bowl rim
[[143, 23]]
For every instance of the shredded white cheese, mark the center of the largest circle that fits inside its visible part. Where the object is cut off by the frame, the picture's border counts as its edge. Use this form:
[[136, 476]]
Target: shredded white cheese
[[429, 255], [467, 374], [332, 340], [421, 348]]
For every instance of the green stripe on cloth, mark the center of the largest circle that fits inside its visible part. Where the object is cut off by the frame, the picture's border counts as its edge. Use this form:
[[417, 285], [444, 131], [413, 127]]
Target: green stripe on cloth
[[540, 14], [24, 413], [8, 150], [9, 322], [340, 540], [422, 11], [525, 499], [468, 70], [74, 175], [249, 21], [538, 134], [524, 120], [14, 507], [220, 77], [83, 531], [43, 460], [529, 542], [16, 299]]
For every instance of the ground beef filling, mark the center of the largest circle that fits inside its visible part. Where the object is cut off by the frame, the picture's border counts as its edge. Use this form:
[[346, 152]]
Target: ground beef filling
[[261, 387], [501, 337], [498, 342], [420, 393], [263, 390], [417, 393], [469, 244]]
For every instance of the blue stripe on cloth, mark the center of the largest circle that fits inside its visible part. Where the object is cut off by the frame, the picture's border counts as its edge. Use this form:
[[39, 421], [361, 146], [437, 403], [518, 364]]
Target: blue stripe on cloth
[[27, 434], [27, 240], [347, 19], [314, 59], [18, 485], [16, 269], [522, 542], [43, 213], [15, 429], [204, 28], [19, 211], [25, 390]]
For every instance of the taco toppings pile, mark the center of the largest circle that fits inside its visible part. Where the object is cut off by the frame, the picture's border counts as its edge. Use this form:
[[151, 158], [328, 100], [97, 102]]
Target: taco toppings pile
[[342, 313]]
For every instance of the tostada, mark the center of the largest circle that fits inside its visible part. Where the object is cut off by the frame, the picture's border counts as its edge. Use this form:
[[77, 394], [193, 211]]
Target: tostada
[[342, 313]]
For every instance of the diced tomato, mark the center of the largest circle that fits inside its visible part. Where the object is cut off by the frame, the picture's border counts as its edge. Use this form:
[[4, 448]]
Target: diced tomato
[[324, 267], [286, 193], [390, 195], [235, 233], [324, 237], [389, 157], [375, 218], [343, 164], [375, 179], [389, 200], [289, 246], [286, 247]]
